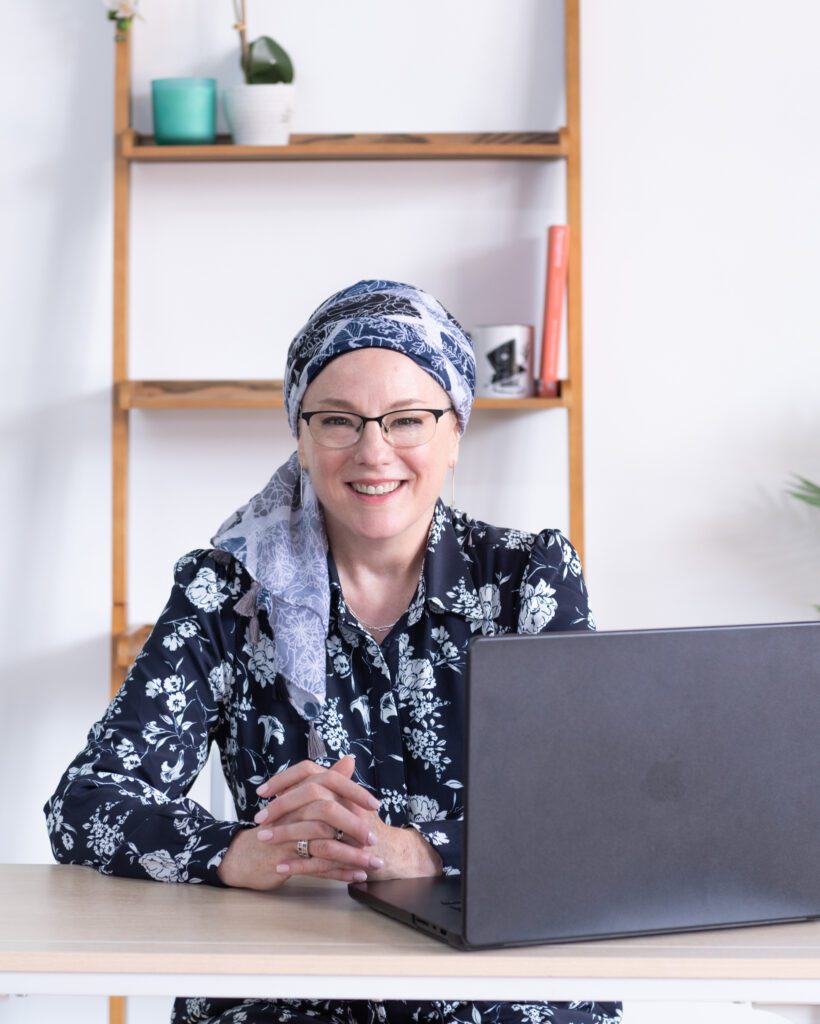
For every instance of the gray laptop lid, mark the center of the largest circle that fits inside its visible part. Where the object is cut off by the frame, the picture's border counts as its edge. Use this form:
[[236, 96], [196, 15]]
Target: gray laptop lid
[[624, 783]]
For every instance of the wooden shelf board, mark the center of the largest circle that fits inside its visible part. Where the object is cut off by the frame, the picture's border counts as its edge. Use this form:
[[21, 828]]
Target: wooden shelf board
[[435, 146], [261, 394]]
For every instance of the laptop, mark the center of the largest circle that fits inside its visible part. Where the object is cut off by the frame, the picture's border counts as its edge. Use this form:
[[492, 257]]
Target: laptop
[[631, 783]]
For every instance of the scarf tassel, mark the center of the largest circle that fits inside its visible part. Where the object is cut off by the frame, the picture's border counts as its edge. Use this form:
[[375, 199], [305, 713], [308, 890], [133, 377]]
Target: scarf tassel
[[316, 747]]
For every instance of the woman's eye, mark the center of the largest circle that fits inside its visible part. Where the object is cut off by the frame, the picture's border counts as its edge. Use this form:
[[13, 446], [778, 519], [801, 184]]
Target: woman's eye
[[405, 421], [336, 421]]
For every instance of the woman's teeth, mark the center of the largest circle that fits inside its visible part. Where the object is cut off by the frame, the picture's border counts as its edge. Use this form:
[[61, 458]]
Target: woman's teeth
[[377, 489]]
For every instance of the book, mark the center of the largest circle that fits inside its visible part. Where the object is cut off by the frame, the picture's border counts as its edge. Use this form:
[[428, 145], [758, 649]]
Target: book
[[546, 385]]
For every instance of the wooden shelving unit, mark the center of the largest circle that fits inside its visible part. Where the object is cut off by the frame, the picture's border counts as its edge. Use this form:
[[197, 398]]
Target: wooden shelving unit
[[128, 394]]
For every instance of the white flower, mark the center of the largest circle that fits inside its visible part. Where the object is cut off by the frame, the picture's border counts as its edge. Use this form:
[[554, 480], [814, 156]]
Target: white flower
[[538, 607], [517, 540], [415, 674], [131, 761], [172, 684], [490, 599], [341, 664], [175, 701], [161, 866], [124, 747], [153, 687], [204, 592], [220, 680], [187, 628], [571, 560], [424, 808], [172, 641], [262, 661], [438, 838]]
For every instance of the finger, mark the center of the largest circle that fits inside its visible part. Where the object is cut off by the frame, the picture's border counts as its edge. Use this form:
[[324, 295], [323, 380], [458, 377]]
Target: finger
[[297, 773], [358, 830], [289, 777], [321, 862], [328, 785], [344, 876], [345, 765], [297, 828]]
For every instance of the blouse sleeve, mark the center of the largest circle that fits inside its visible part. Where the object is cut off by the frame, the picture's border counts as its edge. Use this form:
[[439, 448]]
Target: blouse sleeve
[[552, 594], [121, 806]]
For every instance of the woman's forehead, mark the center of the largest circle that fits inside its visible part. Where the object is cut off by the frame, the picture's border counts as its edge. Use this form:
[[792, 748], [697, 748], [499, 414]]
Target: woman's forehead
[[374, 374]]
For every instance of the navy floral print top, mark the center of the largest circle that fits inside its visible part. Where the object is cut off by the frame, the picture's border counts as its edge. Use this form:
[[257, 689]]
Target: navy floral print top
[[208, 674]]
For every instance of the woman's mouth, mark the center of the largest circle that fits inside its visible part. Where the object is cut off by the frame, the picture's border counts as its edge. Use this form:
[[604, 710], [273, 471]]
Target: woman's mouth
[[387, 487]]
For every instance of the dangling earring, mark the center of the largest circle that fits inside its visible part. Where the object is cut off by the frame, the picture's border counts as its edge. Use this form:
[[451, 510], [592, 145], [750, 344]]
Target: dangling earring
[[452, 487]]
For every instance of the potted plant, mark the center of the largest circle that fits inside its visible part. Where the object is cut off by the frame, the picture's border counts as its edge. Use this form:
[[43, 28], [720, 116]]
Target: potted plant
[[259, 110], [123, 13], [805, 490]]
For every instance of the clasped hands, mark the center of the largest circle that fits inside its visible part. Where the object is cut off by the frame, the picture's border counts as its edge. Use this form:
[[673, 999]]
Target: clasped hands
[[308, 802]]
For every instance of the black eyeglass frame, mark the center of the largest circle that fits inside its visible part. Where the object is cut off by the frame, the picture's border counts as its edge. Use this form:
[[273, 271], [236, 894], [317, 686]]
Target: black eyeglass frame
[[308, 416]]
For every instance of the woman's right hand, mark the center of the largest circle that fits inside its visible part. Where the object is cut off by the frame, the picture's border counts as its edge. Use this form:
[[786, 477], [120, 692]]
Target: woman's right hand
[[310, 803]]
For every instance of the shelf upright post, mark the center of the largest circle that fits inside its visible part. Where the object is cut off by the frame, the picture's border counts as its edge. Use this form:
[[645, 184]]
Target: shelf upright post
[[119, 421], [575, 413], [119, 432]]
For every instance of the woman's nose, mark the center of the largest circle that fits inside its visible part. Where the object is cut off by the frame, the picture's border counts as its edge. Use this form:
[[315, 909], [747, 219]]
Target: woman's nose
[[372, 444]]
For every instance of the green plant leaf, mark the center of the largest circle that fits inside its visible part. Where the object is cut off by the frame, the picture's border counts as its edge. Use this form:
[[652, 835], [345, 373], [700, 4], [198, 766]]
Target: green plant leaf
[[805, 490], [267, 63]]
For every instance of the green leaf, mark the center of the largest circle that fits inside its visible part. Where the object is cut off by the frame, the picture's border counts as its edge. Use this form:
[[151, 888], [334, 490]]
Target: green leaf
[[805, 490], [267, 63]]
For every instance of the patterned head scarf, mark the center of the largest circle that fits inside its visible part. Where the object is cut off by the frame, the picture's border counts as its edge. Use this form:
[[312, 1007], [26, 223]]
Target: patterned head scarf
[[280, 539]]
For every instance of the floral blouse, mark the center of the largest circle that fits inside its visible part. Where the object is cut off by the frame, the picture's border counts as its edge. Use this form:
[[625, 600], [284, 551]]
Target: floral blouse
[[208, 673]]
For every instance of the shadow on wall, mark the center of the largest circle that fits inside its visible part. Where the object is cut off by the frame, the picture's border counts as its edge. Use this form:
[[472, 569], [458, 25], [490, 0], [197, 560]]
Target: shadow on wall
[[49, 703]]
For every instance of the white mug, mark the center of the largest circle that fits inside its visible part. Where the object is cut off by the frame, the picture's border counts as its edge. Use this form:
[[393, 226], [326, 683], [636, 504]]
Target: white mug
[[504, 360]]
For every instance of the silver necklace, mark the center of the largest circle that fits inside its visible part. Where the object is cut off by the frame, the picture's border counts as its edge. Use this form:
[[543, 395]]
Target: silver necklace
[[369, 625]]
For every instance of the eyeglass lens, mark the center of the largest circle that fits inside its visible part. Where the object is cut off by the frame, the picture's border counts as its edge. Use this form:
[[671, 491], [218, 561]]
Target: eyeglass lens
[[403, 429]]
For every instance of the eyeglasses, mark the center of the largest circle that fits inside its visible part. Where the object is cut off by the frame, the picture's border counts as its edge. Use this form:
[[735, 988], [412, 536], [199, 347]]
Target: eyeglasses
[[403, 428]]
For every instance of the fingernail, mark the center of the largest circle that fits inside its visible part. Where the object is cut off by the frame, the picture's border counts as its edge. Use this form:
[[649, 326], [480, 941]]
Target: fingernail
[[359, 876], [376, 862], [261, 790], [259, 816], [374, 803], [264, 833], [372, 839], [283, 869]]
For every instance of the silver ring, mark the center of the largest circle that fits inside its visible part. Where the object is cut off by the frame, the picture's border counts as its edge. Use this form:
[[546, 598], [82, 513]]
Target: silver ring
[[339, 835], [303, 848]]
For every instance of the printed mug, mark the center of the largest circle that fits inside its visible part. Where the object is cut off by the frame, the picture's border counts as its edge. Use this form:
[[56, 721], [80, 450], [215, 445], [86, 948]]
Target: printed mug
[[504, 356]]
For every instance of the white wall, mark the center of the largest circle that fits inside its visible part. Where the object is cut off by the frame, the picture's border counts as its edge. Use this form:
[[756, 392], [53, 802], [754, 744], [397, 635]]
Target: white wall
[[701, 219]]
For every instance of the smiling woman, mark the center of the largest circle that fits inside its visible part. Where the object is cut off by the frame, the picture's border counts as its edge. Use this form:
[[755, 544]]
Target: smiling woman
[[322, 643]]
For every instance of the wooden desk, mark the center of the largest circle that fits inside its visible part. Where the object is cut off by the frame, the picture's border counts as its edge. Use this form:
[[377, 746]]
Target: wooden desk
[[69, 930]]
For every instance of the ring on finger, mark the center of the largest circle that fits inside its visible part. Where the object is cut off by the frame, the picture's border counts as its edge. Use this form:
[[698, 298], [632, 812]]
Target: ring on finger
[[339, 835], [303, 848]]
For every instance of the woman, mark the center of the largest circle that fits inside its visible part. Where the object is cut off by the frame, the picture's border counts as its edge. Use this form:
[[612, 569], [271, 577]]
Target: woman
[[322, 643]]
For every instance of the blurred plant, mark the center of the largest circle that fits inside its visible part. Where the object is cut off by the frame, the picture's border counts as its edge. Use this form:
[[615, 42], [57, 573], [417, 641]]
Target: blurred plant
[[805, 490], [123, 13], [263, 61]]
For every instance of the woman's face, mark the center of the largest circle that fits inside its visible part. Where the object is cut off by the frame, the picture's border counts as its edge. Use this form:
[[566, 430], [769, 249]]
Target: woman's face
[[372, 381]]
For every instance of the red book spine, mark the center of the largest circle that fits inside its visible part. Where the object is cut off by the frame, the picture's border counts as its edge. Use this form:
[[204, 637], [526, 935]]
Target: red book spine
[[556, 286]]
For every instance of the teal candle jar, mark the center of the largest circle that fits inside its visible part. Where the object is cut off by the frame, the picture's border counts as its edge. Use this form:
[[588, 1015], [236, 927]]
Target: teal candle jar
[[184, 110]]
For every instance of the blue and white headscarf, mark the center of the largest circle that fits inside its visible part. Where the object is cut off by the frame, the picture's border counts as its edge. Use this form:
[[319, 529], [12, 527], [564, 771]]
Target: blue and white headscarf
[[282, 541]]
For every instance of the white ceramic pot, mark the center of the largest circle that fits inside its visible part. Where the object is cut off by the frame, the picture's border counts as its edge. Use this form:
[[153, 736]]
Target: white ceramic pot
[[259, 115]]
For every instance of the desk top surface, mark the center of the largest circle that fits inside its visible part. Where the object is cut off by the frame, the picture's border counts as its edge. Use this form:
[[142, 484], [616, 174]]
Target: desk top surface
[[72, 920]]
